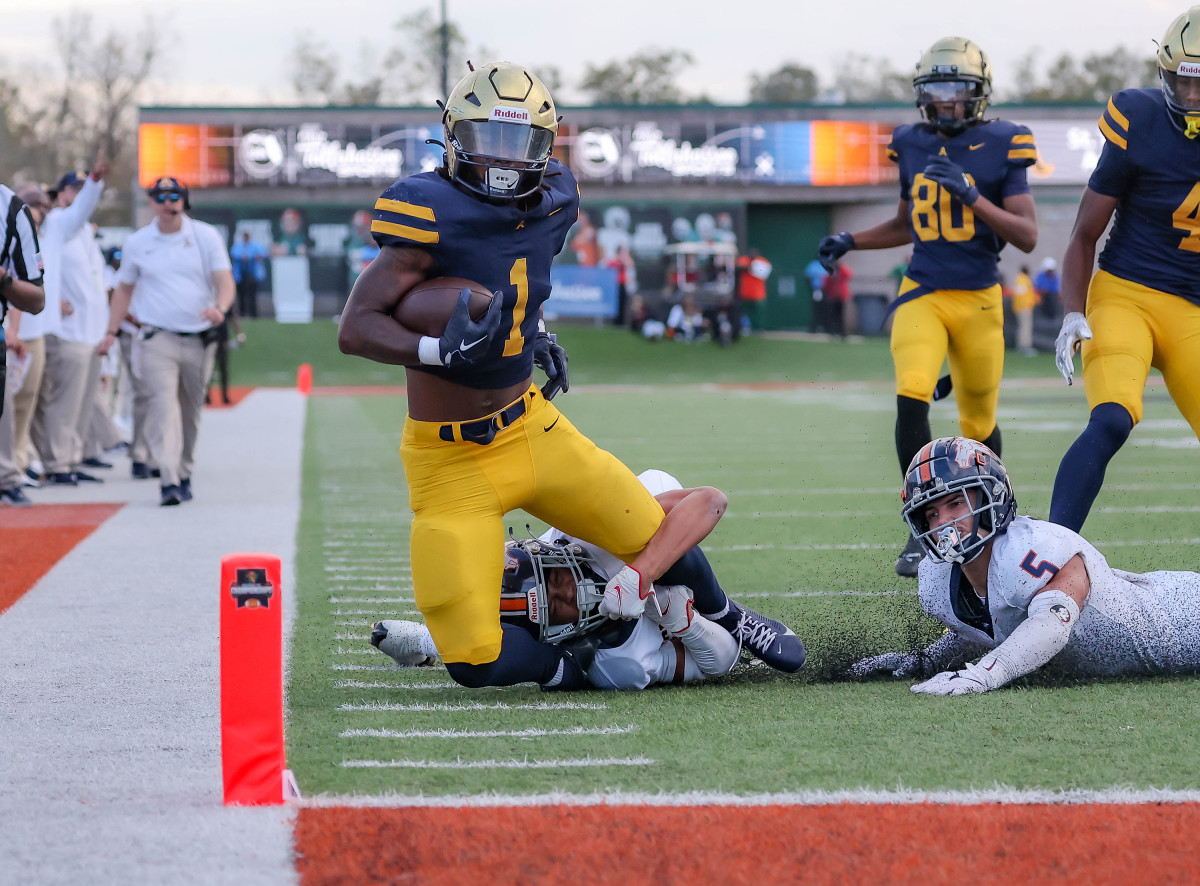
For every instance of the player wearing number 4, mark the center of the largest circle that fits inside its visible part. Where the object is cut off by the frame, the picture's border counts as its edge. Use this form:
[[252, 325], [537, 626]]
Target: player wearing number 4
[[963, 195], [480, 439], [1024, 593], [1143, 304]]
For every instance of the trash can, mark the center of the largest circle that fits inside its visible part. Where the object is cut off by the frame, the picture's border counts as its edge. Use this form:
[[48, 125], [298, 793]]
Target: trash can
[[871, 308]]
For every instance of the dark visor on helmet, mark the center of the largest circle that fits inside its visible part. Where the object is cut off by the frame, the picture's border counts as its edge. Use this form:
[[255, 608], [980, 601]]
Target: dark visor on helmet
[[946, 91], [517, 142], [1183, 92]]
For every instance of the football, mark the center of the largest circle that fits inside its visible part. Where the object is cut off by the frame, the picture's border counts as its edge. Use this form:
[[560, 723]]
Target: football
[[428, 306]]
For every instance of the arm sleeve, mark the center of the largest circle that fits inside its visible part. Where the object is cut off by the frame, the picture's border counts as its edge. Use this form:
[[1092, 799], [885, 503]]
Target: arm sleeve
[[25, 257], [1035, 641], [75, 216]]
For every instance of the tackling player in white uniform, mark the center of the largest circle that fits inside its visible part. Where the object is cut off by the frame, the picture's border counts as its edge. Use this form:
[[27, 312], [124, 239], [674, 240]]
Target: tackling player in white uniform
[[554, 587], [1023, 593]]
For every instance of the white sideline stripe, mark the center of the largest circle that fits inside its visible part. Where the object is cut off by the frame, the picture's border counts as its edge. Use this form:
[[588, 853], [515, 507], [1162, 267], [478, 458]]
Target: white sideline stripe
[[1000, 794], [489, 733], [478, 706], [371, 599], [361, 684], [492, 764], [895, 593]]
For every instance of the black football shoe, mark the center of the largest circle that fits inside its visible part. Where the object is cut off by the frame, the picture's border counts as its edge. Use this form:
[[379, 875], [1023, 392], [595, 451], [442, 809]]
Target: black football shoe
[[910, 558], [767, 639]]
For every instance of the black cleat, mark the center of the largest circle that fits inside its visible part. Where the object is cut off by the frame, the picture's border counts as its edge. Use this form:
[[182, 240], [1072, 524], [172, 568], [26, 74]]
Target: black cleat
[[170, 496], [910, 558], [185, 489], [767, 639]]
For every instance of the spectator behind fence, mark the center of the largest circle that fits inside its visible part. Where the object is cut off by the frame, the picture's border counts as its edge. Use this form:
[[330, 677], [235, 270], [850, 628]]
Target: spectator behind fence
[[1024, 297], [20, 286], [175, 272], [249, 269], [816, 275], [1048, 287], [753, 271], [837, 293]]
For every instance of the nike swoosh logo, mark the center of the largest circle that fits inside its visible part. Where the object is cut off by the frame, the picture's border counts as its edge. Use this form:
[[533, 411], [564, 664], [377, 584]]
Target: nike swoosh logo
[[989, 667], [987, 307], [552, 424], [975, 147], [466, 347]]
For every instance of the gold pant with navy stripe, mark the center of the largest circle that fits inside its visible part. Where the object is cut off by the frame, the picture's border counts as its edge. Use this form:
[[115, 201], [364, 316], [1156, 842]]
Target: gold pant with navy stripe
[[460, 492], [968, 327], [1135, 327]]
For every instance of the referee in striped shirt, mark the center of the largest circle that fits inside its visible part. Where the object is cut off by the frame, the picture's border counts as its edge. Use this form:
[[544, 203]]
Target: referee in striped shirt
[[21, 287]]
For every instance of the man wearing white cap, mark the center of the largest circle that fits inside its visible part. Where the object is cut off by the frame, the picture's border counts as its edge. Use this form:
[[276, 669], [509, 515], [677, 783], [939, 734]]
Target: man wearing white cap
[[175, 276]]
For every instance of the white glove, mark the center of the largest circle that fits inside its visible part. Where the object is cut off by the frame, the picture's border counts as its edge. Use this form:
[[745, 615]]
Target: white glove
[[971, 680], [901, 664], [623, 595], [675, 605], [1074, 330]]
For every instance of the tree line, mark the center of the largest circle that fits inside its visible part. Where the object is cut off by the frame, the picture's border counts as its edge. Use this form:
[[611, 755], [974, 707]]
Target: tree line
[[56, 122]]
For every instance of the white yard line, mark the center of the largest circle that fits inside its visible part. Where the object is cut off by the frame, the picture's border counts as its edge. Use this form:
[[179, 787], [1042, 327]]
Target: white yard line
[[362, 684], [569, 763], [487, 733], [478, 706]]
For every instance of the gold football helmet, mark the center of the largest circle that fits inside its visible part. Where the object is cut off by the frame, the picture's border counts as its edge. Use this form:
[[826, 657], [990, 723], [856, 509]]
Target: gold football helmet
[[1179, 70], [953, 70], [500, 126]]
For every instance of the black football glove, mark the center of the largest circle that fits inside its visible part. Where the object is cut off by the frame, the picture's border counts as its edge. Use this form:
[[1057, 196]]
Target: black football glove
[[465, 340], [832, 248], [950, 176], [551, 357]]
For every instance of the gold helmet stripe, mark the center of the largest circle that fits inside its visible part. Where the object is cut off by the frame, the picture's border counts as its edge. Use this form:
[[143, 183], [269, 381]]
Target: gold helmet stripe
[[408, 233], [401, 208]]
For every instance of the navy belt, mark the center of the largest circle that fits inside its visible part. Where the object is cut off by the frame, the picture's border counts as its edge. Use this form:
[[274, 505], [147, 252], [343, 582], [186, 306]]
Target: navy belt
[[484, 430]]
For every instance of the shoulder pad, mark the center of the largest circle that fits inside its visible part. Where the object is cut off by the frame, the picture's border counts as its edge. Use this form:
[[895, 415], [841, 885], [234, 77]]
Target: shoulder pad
[[1022, 151], [899, 134], [405, 214]]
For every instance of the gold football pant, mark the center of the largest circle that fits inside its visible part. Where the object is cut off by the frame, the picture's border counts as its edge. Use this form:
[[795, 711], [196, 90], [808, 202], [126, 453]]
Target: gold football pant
[[1135, 327], [968, 327], [460, 491]]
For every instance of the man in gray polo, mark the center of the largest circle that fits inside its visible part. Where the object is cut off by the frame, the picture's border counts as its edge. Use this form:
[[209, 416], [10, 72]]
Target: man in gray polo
[[175, 278]]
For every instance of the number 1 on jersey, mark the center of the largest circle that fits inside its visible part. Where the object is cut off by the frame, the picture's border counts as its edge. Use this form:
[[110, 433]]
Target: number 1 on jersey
[[518, 276]]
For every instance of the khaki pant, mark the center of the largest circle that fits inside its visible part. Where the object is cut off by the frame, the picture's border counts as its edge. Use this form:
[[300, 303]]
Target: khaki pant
[[1025, 329], [72, 372], [10, 474], [25, 400], [138, 450], [174, 369]]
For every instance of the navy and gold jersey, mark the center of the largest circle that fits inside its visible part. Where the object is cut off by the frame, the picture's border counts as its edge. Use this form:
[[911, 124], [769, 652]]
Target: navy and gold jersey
[[952, 249], [502, 247], [1153, 169]]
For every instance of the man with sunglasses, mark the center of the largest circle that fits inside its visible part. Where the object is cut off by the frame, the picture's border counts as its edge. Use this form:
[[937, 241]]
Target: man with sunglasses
[[176, 280]]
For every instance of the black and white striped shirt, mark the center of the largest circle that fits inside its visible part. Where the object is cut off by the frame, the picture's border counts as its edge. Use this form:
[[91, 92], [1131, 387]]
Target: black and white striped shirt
[[19, 249]]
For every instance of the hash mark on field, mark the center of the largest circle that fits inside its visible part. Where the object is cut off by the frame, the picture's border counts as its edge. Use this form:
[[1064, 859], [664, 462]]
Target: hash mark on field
[[489, 733], [895, 593], [478, 706], [361, 684], [382, 582], [372, 600], [359, 637], [391, 668], [341, 651], [499, 764]]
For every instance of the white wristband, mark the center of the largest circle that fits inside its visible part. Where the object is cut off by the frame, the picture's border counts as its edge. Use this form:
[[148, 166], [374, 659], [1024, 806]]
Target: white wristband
[[429, 350]]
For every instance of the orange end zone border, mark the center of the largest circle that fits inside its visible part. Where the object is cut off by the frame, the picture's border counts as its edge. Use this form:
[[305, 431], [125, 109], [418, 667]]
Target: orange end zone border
[[926, 844], [36, 538], [236, 395]]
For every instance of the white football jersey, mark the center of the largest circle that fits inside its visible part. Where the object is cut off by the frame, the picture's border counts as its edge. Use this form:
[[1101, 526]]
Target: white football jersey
[[1131, 623], [645, 657]]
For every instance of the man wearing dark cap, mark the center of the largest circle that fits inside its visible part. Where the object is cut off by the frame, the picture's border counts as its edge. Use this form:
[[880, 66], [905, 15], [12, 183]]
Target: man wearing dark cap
[[75, 290], [175, 278]]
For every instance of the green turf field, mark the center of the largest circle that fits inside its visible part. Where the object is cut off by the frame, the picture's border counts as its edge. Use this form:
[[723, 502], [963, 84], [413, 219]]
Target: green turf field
[[810, 536]]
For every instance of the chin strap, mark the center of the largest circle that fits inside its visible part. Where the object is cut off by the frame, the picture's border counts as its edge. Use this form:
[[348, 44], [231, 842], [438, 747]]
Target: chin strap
[[1191, 125]]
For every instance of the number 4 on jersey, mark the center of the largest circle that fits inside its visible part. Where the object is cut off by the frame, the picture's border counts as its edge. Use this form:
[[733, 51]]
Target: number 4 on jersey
[[1187, 218]]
